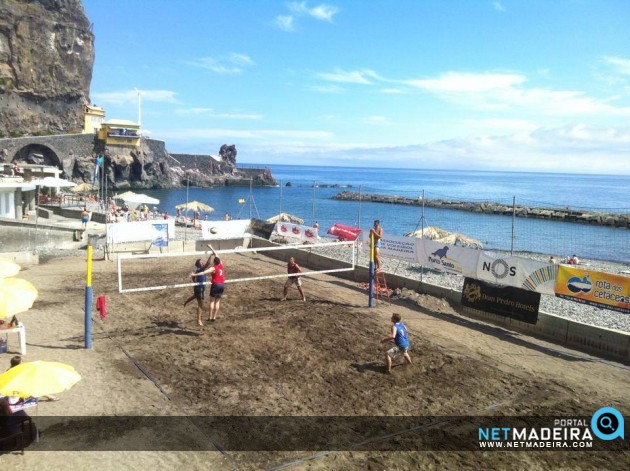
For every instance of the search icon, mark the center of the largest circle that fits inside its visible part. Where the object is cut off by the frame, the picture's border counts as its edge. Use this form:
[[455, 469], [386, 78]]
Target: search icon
[[606, 422]]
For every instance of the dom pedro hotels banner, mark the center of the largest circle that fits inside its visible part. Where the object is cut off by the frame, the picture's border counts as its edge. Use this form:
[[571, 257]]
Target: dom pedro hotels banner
[[594, 287]]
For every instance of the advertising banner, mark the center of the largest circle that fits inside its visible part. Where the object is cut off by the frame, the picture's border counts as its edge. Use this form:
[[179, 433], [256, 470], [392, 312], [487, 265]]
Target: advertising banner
[[160, 235], [447, 258], [393, 246], [594, 287], [138, 231], [215, 230], [296, 233], [518, 272], [507, 301]]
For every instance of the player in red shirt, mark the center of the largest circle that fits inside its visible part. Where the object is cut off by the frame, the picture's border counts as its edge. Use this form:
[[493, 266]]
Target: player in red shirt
[[217, 276], [292, 268]]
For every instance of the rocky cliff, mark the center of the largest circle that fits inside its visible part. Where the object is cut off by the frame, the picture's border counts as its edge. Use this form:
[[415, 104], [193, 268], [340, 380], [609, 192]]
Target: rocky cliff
[[46, 58]]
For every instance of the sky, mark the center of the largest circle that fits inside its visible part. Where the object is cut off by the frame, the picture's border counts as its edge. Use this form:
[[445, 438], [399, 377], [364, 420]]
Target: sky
[[507, 85]]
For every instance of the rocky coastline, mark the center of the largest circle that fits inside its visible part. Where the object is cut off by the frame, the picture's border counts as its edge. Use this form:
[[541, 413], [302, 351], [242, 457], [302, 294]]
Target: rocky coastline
[[556, 214]]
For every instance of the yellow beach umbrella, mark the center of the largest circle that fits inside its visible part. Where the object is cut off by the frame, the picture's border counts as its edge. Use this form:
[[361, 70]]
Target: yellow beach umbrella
[[37, 379], [285, 217], [8, 268], [195, 206], [16, 295]]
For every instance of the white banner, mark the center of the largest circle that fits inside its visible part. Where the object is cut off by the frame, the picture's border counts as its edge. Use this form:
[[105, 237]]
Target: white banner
[[217, 230], [393, 246], [519, 272], [296, 233], [447, 258], [137, 231]]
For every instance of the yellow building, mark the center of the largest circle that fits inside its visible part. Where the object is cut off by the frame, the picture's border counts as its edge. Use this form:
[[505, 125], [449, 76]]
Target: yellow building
[[94, 117], [120, 132]]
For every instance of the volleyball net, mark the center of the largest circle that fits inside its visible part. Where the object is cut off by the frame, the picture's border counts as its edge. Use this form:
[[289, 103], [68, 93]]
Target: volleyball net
[[161, 271]]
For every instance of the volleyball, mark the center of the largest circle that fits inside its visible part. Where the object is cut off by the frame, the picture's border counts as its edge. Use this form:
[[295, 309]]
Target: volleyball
[[214, 230]]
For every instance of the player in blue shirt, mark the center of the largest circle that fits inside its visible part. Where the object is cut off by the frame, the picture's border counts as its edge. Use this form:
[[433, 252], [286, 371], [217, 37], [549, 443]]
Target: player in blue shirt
[[200, 288], [400, 338]]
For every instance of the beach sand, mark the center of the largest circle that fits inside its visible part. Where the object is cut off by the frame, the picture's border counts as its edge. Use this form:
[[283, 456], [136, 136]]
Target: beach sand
[[264, 357]]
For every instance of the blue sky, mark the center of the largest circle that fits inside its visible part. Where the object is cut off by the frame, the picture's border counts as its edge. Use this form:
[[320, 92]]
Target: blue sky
[[534, 85]]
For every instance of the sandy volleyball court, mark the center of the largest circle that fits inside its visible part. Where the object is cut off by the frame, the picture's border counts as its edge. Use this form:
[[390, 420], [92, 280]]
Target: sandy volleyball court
[[264, 357]]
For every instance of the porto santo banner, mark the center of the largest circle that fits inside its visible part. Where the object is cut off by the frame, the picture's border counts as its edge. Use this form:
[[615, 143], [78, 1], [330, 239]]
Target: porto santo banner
[[137, 231], [160, 235], [518, 272], [296, 233], [393, 246], [447, 258], [220, 230], [594, 287], [507, 301]]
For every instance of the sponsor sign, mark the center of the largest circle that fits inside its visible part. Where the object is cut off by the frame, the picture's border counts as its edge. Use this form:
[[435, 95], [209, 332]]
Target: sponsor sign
[[594, 287], [138, 231], [447, 258], [508, 301], [518, 272], [296, 232], [235, 229], [393, 246], [160, 235]]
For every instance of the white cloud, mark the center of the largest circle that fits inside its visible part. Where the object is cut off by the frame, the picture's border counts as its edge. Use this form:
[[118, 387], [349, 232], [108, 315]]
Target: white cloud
[[498, 6], [180, 134], [377, 120], [501, 125], [363, 77], [321, 12], [250, 116], [131, 96], [621, 64], [232, 64], [508, 92], [285, 23], [326, 89], [192, 111], [393, 91], [458, 82]]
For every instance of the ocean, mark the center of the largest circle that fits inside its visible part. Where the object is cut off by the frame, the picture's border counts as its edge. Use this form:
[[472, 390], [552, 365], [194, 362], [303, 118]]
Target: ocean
[[310, 193]]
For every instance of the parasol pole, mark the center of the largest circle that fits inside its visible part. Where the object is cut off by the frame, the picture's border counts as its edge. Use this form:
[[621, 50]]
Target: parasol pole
[[280, 197], [313, 217], [88, 300]]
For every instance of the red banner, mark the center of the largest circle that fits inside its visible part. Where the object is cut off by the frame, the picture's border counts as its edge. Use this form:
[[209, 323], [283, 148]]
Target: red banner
[[344, 232]]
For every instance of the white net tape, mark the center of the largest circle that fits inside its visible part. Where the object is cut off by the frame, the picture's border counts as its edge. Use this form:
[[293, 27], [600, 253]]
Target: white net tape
[[182, 268]]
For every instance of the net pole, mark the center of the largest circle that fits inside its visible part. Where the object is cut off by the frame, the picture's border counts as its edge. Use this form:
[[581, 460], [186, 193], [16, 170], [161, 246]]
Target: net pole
[[371, 302]]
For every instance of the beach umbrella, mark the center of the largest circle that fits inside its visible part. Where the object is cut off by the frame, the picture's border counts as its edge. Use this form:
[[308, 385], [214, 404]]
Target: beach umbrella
[[8, 268], [140, 198], [429, 232], [53, 182], [285, 217], [37, 379], [83, 187], [16, 295], [124, 195], [195, 206], [455, 238]]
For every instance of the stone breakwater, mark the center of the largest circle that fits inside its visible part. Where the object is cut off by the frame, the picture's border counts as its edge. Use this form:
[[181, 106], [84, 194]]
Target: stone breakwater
[[556, 214]]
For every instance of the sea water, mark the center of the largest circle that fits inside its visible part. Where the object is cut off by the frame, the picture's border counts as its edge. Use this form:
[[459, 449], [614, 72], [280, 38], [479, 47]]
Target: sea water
[[307, 191]]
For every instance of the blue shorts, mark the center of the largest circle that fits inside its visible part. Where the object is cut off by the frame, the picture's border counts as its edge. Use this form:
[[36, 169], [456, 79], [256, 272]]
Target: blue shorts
[[216, 290], [199, 292], [84, 219], [377, 245]]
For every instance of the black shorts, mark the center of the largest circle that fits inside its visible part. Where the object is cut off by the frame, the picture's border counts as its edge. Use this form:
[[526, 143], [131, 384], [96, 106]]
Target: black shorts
[[199, 292], [216, 290]]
